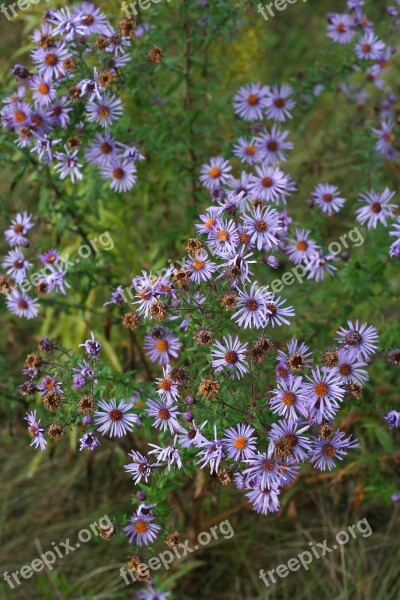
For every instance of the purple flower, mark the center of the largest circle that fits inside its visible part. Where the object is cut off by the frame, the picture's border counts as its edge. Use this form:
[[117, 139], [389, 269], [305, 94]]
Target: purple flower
[[92, 346], [350, 368], [50, 384], [301, 248], [324, 393], [275, 313], [43, 90], [15, 234], [247, 151], [251, 307], [223, 237], [324, 452], [290, 399], [272, 145], [239, 442], [369, 46], [165, 414], [36, 431], [122, 173], [250, 101], [211, 452], [278, 102], [216, 173], [327, 197], [377, 208], [318, 264], [168, 456], [230, 356], [105, 110], [286, 436], [161, 345], [16, 265], [140, 468], [89, 441], [201, 268], [359, 339], [270, 184], [49, 62], [91, 18], [67, 24], [261, 226], [103, 151], [270, 471], [115, 418], [264, 498], [22, 305], [393, 419], [341, 28]]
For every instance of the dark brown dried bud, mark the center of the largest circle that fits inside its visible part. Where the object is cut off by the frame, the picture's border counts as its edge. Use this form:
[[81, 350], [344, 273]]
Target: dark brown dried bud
[[32, 361], [155, 55], [41, 288], [157, 333], [208, 388], [331, 359], [106, 78], [181, 277], [25, 132], [354, 389], [127, 27], [193, 245], [296, 361], [27, 388], [106, 531], [69, 64], [229, 301], [394, 357], [73, 142], [130, 321], [204, 337], [173, 539], [178, 374], [225, 476], [56, 431], [140, 569], [75, 93], [52, 400], [264, 344], [46, 41], [86, 405], [326, 431], [6, 285], [102, 42], [158, 310]]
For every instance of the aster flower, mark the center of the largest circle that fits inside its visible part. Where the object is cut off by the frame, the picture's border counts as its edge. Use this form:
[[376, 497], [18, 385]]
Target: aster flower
[[289, 400], [16, 265], [115, 419], [44, 147], [89, 441], [208, 221], [386, 137], [161, 345], [122, 174], [216, 173], [318, 264], [103, 151], [50, 384], [270, 184], [264, 498], [279, 103], [298, 355], [167, 388], [286, 440], [211, 453], [151, 594], [239, 442], [393, 419], [270, 471], [92, 18], [341, 28], [327, 197], [146, 289], [43, 90], [230, 355], [68, 165], [16, 233], [247, 151], [377, 208], [395, 247], [165, 414], [237, 266], [261, 226], [104, 110], [169, 455], [241, 185], [36, 431], [141, 529], [359, 339], [58, 112], [140, 468], [301, 248], [66, 24], [252, 307], [22, 305], [324, 393], [369, 46], [49, 61], [224, 237], [250, 101], [201, 268], [350, 368], [325, 452], [273, 144], [276, 314], [50, 257], [92, 346]]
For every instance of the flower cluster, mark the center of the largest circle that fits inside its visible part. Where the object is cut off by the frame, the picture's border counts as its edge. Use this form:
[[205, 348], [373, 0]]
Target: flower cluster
[[64, 108], [17, 280]]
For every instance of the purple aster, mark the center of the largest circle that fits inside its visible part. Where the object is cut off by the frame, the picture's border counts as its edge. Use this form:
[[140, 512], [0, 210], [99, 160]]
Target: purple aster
[[264, 498], [115, 418], [224, 237], [36, 431], [377, 208], [341, 28], [49, 61], [237, 265], [386, 137], [286, 440], [251, 307], [22, 305], [105, 110], [140, 468], [395, 498], [393, 419], [276, 314], [16, 265], [146, 289], [67, 24], [15, 234], [325, 452], [141, 529], [273, 144], [211, 453], [122, 174], [208, 221], [230, 356], [165, 414], [161, 345], [167, 456], [50, 384], [241, 185], [92, 18], [395, 247], [116, 297], [301, 248], [239, 442], [318, 264], [43, 90], [201, 268], [270, 471], [261, 225], [270, 184], [247, 151], [279, 103], [58, 112], [324, 393], [350, 368], [327, 197], [150, 593], [92, 346], [68, 165], [17, 115], [289, 400], [89, 441], [44, 147], [167, 388], [369, 46], [359, 339], [298, 354], [215, 174], [78, 381], [250, 101], [103, 151]]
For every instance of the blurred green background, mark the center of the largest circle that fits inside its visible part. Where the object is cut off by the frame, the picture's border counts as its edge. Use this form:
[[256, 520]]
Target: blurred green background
[[180, 113]]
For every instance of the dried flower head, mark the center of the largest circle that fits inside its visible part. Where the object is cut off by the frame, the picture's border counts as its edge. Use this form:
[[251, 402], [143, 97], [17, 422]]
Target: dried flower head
[[204, 337], [296, 361], [52, 400], [130, 320], [102, 42], [225, 476], [69, 64], [106, 78], [354, 389], [140, 569], [178, 374], [106, 531], [331, 359], [6, 285], [56, 431], [173, 539], [326, 431], [74, 142], [127, 27], [394, 357], [208, 388], [194, 245], [181, 277], [229, 301], [86, 405], [155, 55], [158, 310], [27, 388], [32, 361]]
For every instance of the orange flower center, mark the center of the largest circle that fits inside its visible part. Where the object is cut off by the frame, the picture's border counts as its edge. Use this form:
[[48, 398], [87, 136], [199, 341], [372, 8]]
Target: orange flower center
[[321, 389], [118, 173], [279, 103], [250, 150], [214, 172], [162, 345], [240, 443], [164, 414], [104, 111], [345, 369], [266, 182], [288, 398], [20, 116], [198, 264], [231, 357], [301, 245], [115, 415], [252, 99], [105, 148], [223, 236], [141, 526], [329, 451], [51, 60], [43, 88]]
